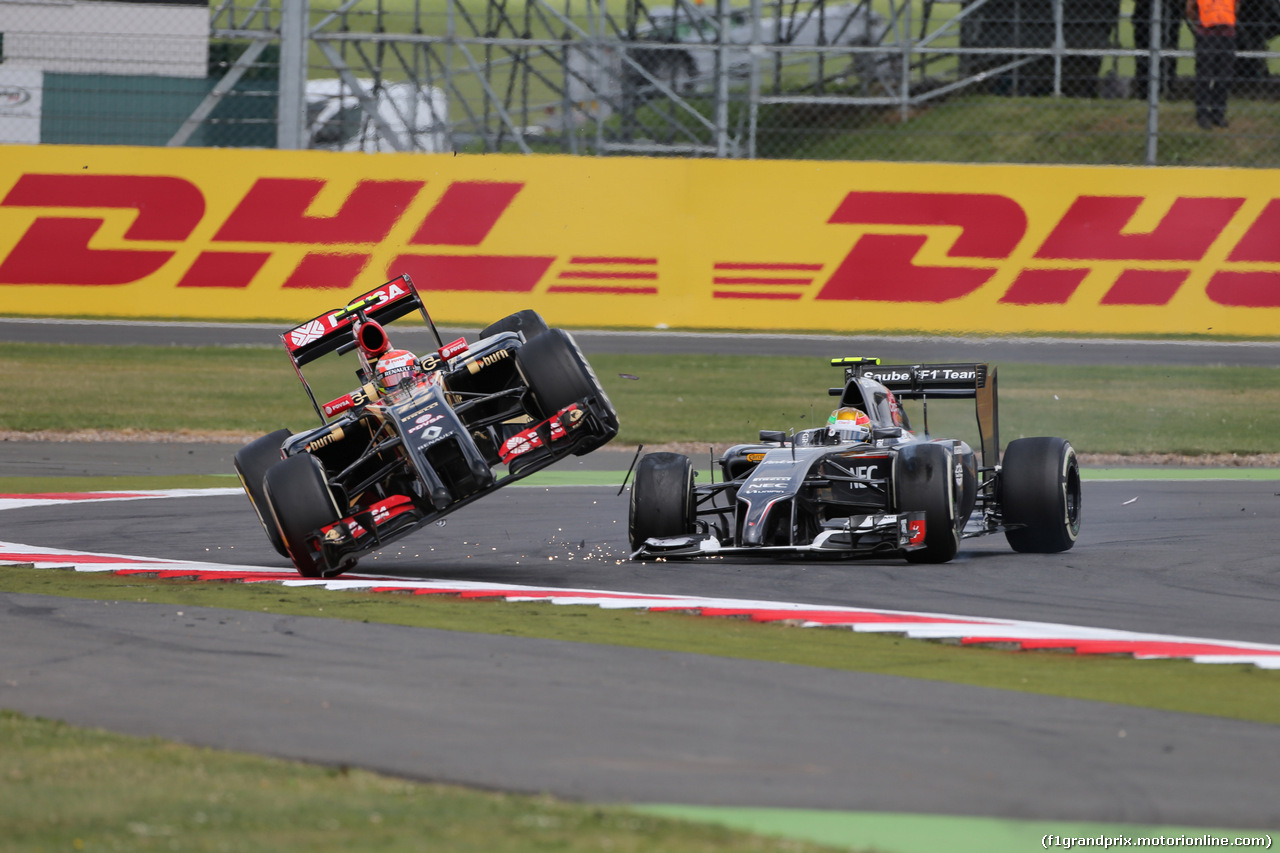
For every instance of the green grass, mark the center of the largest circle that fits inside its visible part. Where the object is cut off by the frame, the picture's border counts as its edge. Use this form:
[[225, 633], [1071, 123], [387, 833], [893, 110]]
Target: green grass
[[690, 398], [151, 388], [190, 799], [68, 788], [981, 128]]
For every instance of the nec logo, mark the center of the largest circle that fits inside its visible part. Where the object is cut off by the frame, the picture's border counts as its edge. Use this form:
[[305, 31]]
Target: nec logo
[[163, 213], [865, 472]]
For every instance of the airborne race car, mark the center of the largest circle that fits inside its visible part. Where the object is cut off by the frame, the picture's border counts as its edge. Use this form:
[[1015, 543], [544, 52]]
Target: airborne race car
[[893, 494], [386, 461]]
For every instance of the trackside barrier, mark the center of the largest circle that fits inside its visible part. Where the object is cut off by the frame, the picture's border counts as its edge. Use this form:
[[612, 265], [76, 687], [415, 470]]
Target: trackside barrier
[[642, 243]]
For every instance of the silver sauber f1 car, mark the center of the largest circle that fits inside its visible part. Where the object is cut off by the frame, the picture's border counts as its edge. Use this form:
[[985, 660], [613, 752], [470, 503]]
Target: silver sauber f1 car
[[865, 485], [422, 435]]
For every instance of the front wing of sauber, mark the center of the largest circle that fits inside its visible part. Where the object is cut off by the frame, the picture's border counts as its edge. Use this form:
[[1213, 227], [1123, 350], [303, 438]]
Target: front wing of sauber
[[872, 536]]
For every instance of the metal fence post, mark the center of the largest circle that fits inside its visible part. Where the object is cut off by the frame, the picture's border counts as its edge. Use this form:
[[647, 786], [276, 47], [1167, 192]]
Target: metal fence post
[[1059, 44], [757, 54], [1153, 82], [722, 79], [291, 107]]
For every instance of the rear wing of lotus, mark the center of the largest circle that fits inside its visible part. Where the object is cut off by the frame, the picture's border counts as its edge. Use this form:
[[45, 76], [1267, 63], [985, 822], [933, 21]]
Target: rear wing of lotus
[[334, 331], [974, 381]]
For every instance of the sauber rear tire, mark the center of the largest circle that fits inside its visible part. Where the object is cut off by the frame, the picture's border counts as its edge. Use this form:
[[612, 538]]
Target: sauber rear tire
[[527, 322], [925, 478], [252, 463], [558, 374], [1040, 495], [662, 502], [299, 496]]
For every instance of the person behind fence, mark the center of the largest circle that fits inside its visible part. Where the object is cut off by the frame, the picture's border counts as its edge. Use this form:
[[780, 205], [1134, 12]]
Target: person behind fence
[[1214, 23], [1170, 24]]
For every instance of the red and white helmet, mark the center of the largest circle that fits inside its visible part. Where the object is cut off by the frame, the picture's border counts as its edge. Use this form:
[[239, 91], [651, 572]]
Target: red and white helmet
[[848, 424], [394, 367]]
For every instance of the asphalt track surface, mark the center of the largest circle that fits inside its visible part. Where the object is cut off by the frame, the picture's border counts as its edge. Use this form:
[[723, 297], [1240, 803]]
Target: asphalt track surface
[[608, 724], [614, 724]]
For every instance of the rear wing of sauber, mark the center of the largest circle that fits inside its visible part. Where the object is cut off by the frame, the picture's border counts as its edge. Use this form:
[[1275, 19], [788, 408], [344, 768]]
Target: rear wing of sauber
[[973, 381], [334, 331]]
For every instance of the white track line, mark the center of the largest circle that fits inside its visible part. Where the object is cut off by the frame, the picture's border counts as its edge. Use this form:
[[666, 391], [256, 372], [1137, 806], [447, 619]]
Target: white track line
[[1008, 633]]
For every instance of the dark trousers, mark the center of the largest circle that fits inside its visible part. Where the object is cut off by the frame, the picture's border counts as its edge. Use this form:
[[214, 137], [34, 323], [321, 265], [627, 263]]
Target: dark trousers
[[1170, 24], [1215, 67]]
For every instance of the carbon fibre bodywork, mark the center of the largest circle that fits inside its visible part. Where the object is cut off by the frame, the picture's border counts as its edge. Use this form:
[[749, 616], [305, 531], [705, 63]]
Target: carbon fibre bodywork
[[894, 495], [476, 416]]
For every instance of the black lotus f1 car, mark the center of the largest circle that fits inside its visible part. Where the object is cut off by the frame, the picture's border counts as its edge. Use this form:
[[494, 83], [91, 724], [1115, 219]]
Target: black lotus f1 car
[[468, 418], [892, 494]]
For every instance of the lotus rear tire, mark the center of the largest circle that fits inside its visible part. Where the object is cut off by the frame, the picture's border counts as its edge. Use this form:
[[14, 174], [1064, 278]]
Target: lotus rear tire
[[662, 498], [252, 463], [300, 499], [1040, 495]]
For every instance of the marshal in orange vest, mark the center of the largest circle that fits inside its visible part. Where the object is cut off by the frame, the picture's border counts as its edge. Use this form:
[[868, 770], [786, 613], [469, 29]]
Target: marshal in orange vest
[[1212, 13]]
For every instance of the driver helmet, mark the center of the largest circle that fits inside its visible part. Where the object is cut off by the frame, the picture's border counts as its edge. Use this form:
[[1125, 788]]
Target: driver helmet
[[395, 367], [848, 424]]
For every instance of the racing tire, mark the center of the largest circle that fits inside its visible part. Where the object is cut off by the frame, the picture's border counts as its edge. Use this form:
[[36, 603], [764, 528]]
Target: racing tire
[[662, 498], [252, 463], [301, 501], [558, 374], [527, 322], [1040, 495], [925, 481]]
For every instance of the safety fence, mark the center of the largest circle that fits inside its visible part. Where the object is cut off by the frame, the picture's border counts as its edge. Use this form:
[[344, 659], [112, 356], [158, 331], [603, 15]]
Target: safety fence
[[1020, 81]]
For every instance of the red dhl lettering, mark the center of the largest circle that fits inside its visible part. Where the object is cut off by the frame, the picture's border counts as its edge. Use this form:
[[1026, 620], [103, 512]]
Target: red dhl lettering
[[991, 227], [882, 267], [1094, 228], [466, 213], [1261, 243], [55, 250], [273, 212], [55, 246]]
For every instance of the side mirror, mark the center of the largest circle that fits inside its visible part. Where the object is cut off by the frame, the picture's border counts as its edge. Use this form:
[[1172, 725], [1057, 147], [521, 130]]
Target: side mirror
[[773, 435], [887, 432]]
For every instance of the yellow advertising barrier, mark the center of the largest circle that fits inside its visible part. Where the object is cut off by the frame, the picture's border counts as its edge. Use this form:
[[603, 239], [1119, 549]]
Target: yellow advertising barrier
[[642, 243]]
